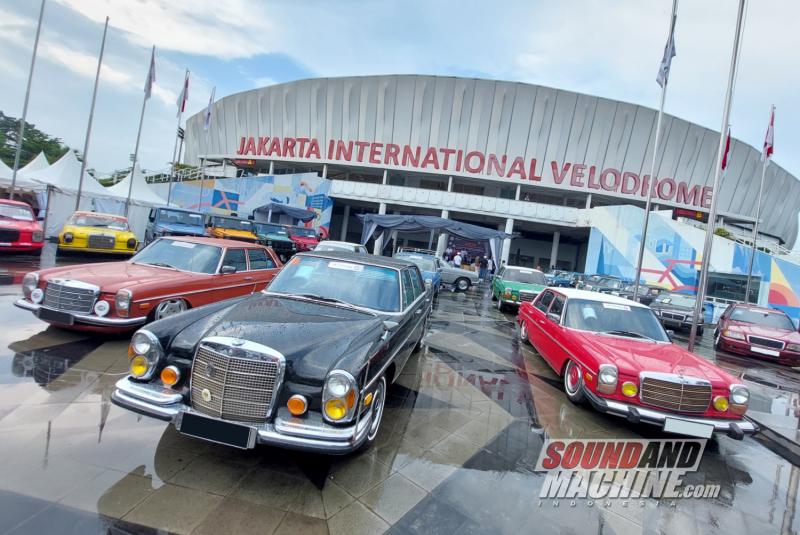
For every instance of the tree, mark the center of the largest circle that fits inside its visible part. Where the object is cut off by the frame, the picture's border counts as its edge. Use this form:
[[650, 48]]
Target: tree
[[34, 142]]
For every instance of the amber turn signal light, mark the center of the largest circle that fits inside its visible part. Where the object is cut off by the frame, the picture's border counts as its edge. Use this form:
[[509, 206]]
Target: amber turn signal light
[[170, 376], [297, 405]]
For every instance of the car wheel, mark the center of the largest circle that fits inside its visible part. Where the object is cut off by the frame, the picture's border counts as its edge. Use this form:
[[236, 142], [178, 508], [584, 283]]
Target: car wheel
[[500, 304], [462, 285], [166, 309], [716, 338], [573, 382], [494, 297], [523, 331], [378, 402]]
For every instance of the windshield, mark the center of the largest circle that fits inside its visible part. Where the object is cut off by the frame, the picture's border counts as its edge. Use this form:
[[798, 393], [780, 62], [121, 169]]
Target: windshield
[[423, 263], [304, 232], [678, 300], [611, 283], [336, 247], [526, 276], [232, 224], [268, 228], [95, 220], [372, 287], [20, 213], [183, 218], [186, 256], [776, 320], [597, 316]]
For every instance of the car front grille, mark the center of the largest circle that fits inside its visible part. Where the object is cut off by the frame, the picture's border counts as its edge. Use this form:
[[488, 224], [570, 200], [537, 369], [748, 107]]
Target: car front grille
[[98, 241], [676, 394], [673, 316], [63, 295], [7, 235], [526, 296], [765, 342], [240, 388]]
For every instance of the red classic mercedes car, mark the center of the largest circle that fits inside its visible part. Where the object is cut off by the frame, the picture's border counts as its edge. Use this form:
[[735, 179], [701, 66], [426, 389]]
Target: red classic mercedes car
[[615, 355], [19, 229], [167, 277], [765, 333]]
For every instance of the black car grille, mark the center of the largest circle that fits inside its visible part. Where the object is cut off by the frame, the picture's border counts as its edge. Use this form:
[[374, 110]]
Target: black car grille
[[58, 296], [673, 316], [527, 296], [675, 396], [7, 235], [765, 342], [240, 389], [98, 241]]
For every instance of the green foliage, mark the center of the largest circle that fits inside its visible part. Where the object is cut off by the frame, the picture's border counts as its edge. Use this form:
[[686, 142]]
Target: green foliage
[[34, 142], [723, 233]]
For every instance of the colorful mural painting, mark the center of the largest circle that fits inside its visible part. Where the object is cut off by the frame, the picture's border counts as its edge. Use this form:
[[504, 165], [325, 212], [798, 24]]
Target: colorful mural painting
[[244, 195], [673, 253]]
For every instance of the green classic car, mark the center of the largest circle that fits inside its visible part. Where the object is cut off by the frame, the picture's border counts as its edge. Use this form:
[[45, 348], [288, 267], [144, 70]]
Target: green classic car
[[513, 285], [275, 236]]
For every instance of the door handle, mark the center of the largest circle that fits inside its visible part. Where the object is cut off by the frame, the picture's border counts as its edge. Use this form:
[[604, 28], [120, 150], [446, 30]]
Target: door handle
[[541, 321], [248, 278]]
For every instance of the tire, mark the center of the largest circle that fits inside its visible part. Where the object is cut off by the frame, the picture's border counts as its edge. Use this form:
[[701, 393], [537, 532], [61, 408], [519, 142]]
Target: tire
[[167, 309], [462, 284], [378, 403], [716, 339], [500, 305], [523, 332], [494, 297], [573, 382]]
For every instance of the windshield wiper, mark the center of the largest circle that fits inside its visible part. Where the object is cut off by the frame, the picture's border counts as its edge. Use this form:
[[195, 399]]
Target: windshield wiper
[[159, 264], [325, 299], [630, 334]]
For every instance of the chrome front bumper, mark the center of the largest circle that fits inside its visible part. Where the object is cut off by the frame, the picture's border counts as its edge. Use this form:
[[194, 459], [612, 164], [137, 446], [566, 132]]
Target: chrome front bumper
[[310, 433], [84, 319], [638, 414]]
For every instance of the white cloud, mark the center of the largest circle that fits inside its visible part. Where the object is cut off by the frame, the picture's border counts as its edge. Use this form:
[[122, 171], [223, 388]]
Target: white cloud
[[84, 64]]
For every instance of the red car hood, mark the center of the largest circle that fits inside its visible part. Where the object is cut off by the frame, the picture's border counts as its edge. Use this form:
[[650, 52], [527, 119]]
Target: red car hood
[[305, 240], [113, 276], [766, 332], [633, 356], [15, 224]]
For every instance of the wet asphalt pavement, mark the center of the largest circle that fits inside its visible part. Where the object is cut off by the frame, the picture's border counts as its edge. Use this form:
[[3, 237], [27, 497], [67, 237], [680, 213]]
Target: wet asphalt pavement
[[463, 427]]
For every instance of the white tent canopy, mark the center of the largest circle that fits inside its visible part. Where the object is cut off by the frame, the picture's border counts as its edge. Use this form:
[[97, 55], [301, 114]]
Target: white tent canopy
[[5, 171], [141, 193], [64, 175], [37, 164]]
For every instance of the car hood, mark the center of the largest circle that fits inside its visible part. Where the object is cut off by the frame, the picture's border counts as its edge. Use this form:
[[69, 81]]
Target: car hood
[[234, 233], [315, 338], [85, 231], [673, 308], [633, 356], [767, 332], [196, 230], [15, 224], [113, 276], [517, 286], [275, 237], [304, 239]]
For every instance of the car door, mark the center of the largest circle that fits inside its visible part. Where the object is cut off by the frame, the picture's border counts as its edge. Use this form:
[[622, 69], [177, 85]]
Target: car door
[[497, 283], [262, 267], [555, 333], [241, 282], [536, 322], [414, 307]]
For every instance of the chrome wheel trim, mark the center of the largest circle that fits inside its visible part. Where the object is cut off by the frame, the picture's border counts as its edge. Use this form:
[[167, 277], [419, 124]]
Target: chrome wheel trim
[[523, 331], [572, 378], [166, 309], [463, 285], [378, 402]]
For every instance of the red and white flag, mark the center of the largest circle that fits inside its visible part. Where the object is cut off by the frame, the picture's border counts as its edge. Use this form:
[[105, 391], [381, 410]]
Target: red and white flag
[[184, 96], [769, 147], [207, 116], [727, 150], [151, 75]]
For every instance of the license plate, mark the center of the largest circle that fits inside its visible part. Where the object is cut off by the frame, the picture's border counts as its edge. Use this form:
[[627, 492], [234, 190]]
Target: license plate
[[5, 244], [57, 316], [219, 431], [762, 351], [692, 429]]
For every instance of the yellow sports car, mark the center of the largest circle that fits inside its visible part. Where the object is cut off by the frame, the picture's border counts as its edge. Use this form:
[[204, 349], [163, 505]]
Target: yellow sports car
[[97, 233]]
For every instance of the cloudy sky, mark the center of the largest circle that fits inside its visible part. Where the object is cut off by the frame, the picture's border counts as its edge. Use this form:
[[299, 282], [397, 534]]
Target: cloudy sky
[[609, 48]]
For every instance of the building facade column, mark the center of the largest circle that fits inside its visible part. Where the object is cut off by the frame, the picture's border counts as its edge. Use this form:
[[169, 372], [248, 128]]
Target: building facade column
[[441, 244], [385, 179], [449, 184], [507, 242], [554, 249], [345, 221], [519, 190], [271, 167], [324, 170], [379, 241]]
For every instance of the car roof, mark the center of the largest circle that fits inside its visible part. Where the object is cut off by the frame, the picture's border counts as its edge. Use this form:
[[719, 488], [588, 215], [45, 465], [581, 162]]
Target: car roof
[[523, 268], [372, 260], [101, 214], [342, 243], [574, 293], [14, 203], [228, 217], [176, 209], [219, 242]]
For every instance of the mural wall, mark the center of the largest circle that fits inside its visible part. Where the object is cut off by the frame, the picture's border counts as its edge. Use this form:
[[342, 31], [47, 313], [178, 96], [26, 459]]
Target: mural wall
[[243, 195], [673, 253]]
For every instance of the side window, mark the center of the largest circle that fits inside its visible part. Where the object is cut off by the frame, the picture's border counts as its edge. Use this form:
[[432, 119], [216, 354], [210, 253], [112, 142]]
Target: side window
[[235, 258], [416, 281], [408, 288], [544, 301], [259, 259], [500, 273], [558, 306]]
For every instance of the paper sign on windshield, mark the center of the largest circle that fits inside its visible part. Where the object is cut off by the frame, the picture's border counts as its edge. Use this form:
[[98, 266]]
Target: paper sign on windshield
[[346, 266], [185, 245], [614, 306]]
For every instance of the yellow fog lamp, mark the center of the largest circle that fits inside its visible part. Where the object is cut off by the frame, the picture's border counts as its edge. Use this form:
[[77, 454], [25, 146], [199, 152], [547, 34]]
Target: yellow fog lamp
[[335, 409], [139, 366], [721, 403], [339, 396], [629, 389], [170, 376], [368, 399]]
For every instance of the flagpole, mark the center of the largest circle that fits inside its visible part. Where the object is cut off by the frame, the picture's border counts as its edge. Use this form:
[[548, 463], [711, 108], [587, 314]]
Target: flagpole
[[21, 136], [755, 225], [651, 185], [91, 118], [175, 148], [138, 137], [712, 216]]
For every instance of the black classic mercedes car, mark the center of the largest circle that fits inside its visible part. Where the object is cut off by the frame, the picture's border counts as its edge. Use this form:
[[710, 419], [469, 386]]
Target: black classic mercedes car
[[305, 364]]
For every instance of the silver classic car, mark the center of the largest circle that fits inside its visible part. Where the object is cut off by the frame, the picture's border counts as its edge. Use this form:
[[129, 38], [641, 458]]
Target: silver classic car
[[460, 279]]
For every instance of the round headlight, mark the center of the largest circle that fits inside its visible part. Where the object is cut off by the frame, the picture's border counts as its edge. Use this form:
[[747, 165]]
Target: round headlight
[[37, 236], [335, 409], [37, 295], [338, 386], [629, 389], [139, 366], [68, 237], [608, 375], [740, 395], [132, 243], [101, 308], [721, 403], [141, 343]]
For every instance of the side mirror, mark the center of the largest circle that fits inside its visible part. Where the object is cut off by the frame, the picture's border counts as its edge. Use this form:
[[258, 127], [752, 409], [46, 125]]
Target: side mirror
[[40, 218], [227, 270], [555, 318], [670, 334]]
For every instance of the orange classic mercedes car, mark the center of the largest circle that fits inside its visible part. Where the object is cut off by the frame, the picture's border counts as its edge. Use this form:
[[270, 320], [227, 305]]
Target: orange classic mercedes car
[[169, 276]]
